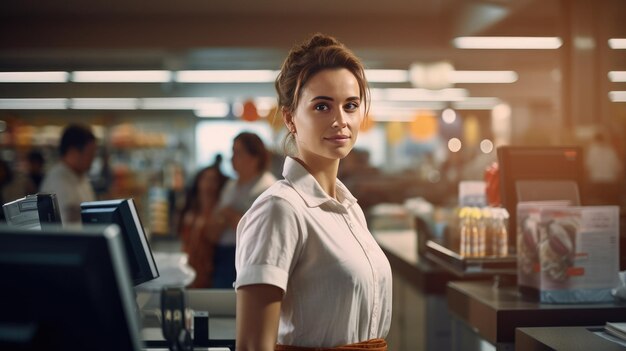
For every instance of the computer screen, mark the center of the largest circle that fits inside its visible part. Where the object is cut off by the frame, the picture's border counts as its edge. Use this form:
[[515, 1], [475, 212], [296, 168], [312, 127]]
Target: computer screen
[[124, 213], [538, 173], [66, 290]]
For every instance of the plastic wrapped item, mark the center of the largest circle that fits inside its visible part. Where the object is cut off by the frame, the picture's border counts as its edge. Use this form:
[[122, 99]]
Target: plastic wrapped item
[[174, 270], [568, 254], [620, 291]]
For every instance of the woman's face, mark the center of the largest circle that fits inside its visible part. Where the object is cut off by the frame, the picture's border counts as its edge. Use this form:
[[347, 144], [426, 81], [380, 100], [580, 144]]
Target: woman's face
[[244, 163], [207, 184], [327, 119]]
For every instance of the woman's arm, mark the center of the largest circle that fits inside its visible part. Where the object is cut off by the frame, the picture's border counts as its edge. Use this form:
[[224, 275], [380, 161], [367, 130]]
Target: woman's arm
[[258, 313]]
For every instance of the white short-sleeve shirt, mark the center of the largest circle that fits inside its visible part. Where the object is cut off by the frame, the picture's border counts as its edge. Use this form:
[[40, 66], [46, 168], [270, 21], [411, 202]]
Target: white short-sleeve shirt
[[336, 279], [71, 190]]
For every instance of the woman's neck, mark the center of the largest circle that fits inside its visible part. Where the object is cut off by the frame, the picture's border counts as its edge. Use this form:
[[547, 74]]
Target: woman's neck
[[206, 204], [246, 177], [325, 173]]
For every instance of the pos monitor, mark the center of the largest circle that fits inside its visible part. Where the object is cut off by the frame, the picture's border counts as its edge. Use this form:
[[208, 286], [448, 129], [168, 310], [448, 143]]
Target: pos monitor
[[66, 290], [538, 173], [124, 213]]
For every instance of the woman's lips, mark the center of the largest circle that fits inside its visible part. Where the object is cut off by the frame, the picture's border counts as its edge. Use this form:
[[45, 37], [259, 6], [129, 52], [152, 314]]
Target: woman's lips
[[338, 139]]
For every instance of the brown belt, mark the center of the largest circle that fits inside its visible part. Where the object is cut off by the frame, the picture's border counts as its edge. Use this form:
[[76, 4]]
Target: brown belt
[[371, 345]]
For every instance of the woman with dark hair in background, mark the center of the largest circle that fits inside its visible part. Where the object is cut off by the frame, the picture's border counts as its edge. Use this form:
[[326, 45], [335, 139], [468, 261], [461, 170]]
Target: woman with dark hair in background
[[195, 228], [251, 162]]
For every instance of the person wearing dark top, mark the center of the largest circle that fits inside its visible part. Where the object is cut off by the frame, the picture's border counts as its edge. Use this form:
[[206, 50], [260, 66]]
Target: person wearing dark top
[[35, 168]]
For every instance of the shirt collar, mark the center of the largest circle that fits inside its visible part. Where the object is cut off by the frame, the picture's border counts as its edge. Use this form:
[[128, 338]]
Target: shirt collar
[[309, 189]]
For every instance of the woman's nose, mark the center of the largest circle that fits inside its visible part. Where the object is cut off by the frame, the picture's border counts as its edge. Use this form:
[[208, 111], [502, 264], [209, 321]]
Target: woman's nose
[[340, 120]]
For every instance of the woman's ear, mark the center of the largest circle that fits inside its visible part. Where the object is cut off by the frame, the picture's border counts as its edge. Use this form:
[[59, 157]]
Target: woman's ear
[[288, 119]]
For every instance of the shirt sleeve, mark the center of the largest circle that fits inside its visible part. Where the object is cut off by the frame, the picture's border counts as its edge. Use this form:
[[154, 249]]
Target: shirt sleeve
[[269, 238]]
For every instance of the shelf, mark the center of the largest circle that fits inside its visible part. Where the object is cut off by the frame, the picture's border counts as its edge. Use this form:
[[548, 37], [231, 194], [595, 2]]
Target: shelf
[[470, 266]]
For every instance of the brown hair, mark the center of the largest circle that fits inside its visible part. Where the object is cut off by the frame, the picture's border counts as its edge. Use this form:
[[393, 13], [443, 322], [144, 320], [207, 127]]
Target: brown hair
[[308, 58], [255, 147]]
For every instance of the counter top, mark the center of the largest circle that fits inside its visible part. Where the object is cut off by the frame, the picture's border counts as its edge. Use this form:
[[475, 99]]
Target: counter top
[[495, 312], [563, 338], [400, 246]]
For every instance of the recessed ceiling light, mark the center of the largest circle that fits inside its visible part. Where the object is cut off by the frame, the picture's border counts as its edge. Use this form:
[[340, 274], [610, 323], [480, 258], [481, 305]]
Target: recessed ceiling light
[[173, 103], [226, 76], [212, 110], [33, 77], [417, 94], [387, 75], [104, 103], [617, 43], [507, 42], [33, 104], [482, 77], [617, 76], [617, 96], [121, 76]]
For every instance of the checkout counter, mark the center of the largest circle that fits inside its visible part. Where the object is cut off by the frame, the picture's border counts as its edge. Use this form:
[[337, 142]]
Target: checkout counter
[[445, 302], [481, 303], [216, 304]]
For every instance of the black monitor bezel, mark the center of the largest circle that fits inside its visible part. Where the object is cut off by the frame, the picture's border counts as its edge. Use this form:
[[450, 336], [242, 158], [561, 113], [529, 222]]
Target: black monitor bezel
[[88, 267], [134, 236], [507, 178]]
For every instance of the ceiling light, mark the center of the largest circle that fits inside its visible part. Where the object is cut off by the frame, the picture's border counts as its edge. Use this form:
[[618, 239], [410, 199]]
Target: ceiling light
[[617, 76], [433, 76], [448, 116], [174, 103], [617, 96], [482, 76], [264, 105], [33, 104], [104, 104], [617, 43], [226, 76], [387, 75], [212, 110], [121, 76], [403, 112], [476, 103], [507, 42], [416, 94], [33, 77]]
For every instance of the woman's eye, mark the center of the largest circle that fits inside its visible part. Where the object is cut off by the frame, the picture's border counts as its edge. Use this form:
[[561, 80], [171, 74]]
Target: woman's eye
[[321, 107], [351, 106]]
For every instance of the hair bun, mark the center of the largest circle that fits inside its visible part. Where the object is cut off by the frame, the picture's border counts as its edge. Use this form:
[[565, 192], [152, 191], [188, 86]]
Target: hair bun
[[321, 40]]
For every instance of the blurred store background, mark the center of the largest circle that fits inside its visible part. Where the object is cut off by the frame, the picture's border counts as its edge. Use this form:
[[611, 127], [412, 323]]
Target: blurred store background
[[167, 85]]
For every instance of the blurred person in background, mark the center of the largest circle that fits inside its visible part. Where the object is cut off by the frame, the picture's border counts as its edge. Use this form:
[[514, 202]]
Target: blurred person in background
[[68, 177], [35, 164], [251, 162], [196, 228], [11, 186], [310, 275], [605, 171]]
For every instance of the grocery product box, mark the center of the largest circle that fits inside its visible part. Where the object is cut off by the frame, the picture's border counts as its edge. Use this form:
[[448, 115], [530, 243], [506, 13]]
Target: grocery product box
[[567, 254]]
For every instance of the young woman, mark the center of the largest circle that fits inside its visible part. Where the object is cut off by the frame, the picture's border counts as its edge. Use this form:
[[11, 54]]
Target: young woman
[[250, 161], [195, 228], [309, 273]]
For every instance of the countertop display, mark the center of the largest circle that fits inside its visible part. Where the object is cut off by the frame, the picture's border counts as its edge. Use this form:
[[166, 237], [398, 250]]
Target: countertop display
[[495, 312], [564, 338], [400, 246]]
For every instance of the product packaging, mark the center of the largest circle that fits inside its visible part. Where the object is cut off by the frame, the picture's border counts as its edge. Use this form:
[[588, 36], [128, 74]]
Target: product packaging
[[567, 254]]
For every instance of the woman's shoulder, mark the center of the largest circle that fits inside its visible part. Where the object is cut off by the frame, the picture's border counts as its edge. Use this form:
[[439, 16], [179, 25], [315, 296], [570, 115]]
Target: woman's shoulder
[[280, 190], [279, 202]]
